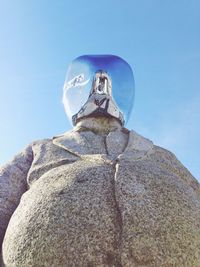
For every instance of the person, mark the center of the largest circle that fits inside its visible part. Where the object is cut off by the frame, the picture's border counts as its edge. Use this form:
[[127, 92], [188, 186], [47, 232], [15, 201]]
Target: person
[[99, 194]]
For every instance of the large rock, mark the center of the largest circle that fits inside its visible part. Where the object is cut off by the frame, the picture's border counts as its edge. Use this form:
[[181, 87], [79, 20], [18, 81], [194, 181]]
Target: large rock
[[95, 201]]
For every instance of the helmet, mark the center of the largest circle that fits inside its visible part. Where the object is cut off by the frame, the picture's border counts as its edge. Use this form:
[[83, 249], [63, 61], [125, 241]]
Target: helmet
[[98, 85]]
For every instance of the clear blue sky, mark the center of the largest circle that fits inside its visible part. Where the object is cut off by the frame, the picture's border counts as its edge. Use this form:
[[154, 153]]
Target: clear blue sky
[[159, 39]]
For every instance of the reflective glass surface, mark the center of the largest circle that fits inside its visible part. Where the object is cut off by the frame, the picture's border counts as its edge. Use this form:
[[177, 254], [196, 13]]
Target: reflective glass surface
[[81, 73]]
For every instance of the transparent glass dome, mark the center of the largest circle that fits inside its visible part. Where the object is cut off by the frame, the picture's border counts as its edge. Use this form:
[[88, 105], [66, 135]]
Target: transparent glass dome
[[79, 79]]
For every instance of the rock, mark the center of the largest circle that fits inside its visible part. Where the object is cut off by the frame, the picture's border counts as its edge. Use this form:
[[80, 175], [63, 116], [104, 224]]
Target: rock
[[95, 201]]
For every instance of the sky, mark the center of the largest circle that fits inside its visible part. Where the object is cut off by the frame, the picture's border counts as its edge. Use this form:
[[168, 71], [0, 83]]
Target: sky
[[159, 39]]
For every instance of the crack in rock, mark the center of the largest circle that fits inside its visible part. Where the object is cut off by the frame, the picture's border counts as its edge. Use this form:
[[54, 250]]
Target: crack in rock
[[118, 212]]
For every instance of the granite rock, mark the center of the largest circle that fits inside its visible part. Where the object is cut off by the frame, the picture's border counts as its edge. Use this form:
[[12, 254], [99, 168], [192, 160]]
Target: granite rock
[[102, 200]]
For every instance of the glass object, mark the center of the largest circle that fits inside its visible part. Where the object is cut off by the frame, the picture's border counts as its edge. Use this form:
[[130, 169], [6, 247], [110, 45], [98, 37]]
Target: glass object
[[81, 76]]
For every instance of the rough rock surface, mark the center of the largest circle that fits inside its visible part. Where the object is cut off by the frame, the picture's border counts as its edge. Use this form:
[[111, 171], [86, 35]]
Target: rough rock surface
[[102, 200]]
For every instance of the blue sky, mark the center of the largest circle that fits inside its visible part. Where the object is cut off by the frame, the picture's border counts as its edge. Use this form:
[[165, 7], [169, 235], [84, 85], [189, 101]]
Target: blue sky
[[159, 39]]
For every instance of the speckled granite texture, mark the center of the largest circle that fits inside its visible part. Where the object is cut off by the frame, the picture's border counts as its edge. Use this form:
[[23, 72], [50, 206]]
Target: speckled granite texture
[[90, 200]]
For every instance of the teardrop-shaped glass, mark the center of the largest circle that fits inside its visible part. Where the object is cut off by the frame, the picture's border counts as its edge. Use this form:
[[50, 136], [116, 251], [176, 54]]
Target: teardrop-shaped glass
[[79, 79]]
